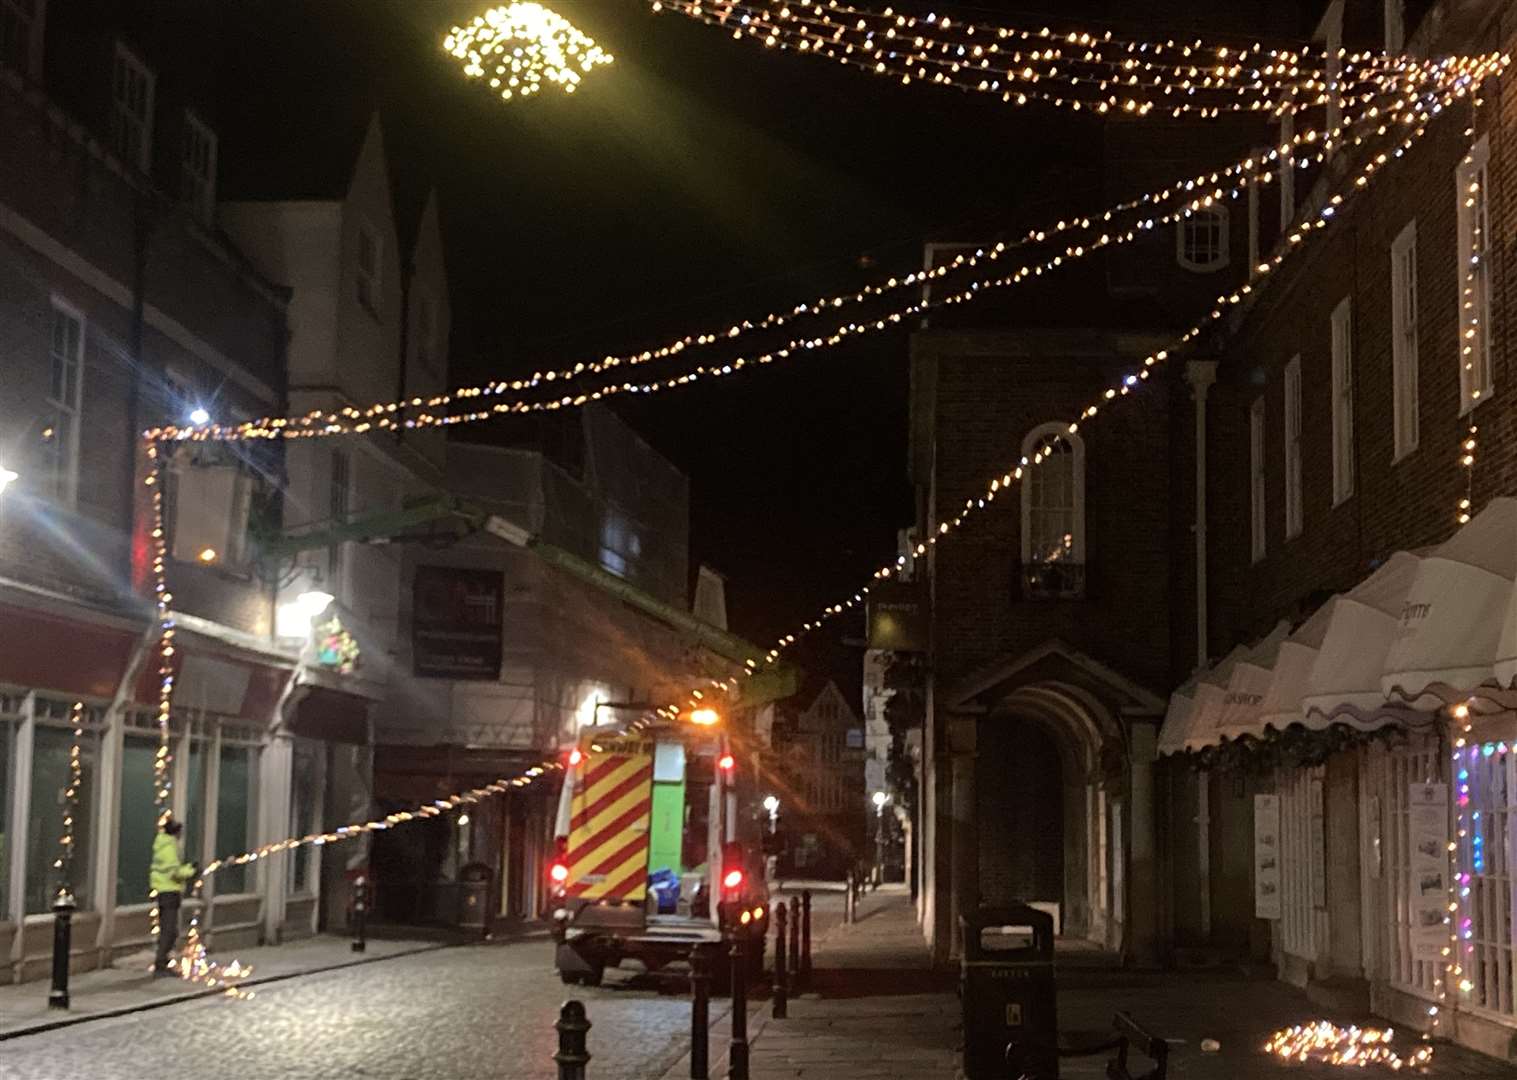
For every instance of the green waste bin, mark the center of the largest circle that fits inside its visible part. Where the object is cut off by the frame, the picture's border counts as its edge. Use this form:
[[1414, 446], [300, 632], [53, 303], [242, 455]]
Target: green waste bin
[[1007, 990]]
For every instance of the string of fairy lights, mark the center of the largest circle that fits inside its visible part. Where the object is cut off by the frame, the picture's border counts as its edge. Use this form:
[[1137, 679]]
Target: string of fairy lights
[[1201, 192], [996, 485], [1351, 1047], [1406, 121], [907, 49]]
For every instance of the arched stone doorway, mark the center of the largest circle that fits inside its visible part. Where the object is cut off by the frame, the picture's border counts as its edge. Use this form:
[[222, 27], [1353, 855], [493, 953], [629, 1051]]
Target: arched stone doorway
[[1019, 775]]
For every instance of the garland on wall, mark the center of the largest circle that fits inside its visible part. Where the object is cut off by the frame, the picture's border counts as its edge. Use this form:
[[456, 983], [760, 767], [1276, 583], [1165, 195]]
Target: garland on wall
[[1297, 747]]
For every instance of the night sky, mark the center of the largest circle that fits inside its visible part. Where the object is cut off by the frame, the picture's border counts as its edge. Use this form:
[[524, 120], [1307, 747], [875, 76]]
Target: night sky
[[696, 181]]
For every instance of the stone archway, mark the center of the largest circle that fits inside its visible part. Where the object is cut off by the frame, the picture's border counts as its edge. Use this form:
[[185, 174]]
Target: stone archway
[[1057, 808]]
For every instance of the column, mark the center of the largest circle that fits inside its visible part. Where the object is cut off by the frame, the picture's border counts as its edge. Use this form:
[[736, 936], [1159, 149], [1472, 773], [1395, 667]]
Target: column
[[1143, 867], [964, 895]]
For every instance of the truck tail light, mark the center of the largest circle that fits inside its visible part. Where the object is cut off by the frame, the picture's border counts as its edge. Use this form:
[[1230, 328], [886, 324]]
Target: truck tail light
[[732, 880], [559, 873]]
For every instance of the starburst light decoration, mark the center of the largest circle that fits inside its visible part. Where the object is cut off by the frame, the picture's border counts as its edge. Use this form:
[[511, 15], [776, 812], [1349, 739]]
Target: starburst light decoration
[[518, 49]]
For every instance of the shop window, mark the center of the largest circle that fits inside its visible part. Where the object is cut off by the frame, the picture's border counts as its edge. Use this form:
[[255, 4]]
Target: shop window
[[235, 807], [139, 819], [1201, 240], [1053, 513], [193, 802], [1485, 854], [51, 774]]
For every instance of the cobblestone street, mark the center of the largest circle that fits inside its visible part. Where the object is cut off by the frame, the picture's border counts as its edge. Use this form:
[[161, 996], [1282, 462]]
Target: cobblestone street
[[467, 1013]]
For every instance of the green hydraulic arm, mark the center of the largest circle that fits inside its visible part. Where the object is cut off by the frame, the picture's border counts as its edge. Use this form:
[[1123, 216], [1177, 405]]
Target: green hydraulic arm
[[771, 682]]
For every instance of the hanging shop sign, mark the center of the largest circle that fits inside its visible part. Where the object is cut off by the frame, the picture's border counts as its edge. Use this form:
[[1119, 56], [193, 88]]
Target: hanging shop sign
[[897, 618], [456, 623], [1267, 901], [1428, 882]]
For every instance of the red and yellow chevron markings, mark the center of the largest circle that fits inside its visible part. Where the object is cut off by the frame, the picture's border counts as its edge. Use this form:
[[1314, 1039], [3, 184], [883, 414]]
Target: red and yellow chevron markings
[[608, 827]]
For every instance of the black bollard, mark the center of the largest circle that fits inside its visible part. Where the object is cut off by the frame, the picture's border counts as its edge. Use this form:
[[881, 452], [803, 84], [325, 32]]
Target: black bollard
[[848, 900], [360, 913], [700, 1014], [781, 987], [805, 951], [63, 933], [737, 1054], [795, 944], [573, 1055]]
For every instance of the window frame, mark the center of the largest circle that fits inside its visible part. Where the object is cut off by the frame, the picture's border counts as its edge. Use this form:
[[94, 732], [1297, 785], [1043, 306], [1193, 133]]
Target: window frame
[[1223, 256], [1405, 407], [198, 191], [1295, 516], [1341, 325], [1474, 390], [370, 281], [1059, 428], [126, 57], [65, 489], [1258, 539]]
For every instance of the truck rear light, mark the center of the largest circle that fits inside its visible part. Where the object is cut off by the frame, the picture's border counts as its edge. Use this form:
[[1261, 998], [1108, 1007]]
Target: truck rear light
[[726, 763], [575, 757], [732, 880], [559, 872]]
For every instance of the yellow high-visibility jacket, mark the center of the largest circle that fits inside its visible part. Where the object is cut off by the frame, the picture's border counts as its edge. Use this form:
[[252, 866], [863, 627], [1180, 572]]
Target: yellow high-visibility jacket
[[168, 873]]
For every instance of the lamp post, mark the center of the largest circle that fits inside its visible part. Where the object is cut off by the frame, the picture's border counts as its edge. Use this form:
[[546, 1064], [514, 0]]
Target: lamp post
[[880, 799], [6, 476]]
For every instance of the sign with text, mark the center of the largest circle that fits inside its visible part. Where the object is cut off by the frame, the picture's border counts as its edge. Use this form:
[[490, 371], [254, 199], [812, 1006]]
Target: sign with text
[[1267, 900], [897, 618], [456, 623], [1428, 884]]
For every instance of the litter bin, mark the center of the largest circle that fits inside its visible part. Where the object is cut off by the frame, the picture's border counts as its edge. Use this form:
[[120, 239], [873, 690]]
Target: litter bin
[[1006, 983], [474, 896]]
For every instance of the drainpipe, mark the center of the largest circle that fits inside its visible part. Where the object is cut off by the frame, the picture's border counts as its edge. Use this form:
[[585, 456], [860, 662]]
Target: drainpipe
[[1201, 374]]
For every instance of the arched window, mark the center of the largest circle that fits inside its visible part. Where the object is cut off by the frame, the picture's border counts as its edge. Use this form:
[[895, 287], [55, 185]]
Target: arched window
[[1201, 240], [1053, 512]]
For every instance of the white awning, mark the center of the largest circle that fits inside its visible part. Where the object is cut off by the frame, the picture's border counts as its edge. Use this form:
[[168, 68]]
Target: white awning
[[1452, 618], [1176, 726], [1211, 689], [1243, 704], [1281, 706], [1344, 682]]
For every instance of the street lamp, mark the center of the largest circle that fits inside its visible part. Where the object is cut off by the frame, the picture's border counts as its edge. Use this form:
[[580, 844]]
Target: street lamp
[[880, 799], [6, 476], [705, 717], [293, 620]]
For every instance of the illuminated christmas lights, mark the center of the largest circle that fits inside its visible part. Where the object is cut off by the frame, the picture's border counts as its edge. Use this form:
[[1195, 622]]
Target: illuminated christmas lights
[[1351, 1047], [1201, 192], [518, 49], [1090, 72], [67, 846], [194, 965]]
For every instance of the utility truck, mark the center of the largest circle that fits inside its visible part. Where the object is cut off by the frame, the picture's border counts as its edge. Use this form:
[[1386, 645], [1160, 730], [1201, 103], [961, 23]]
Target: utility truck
[[649, 862]]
